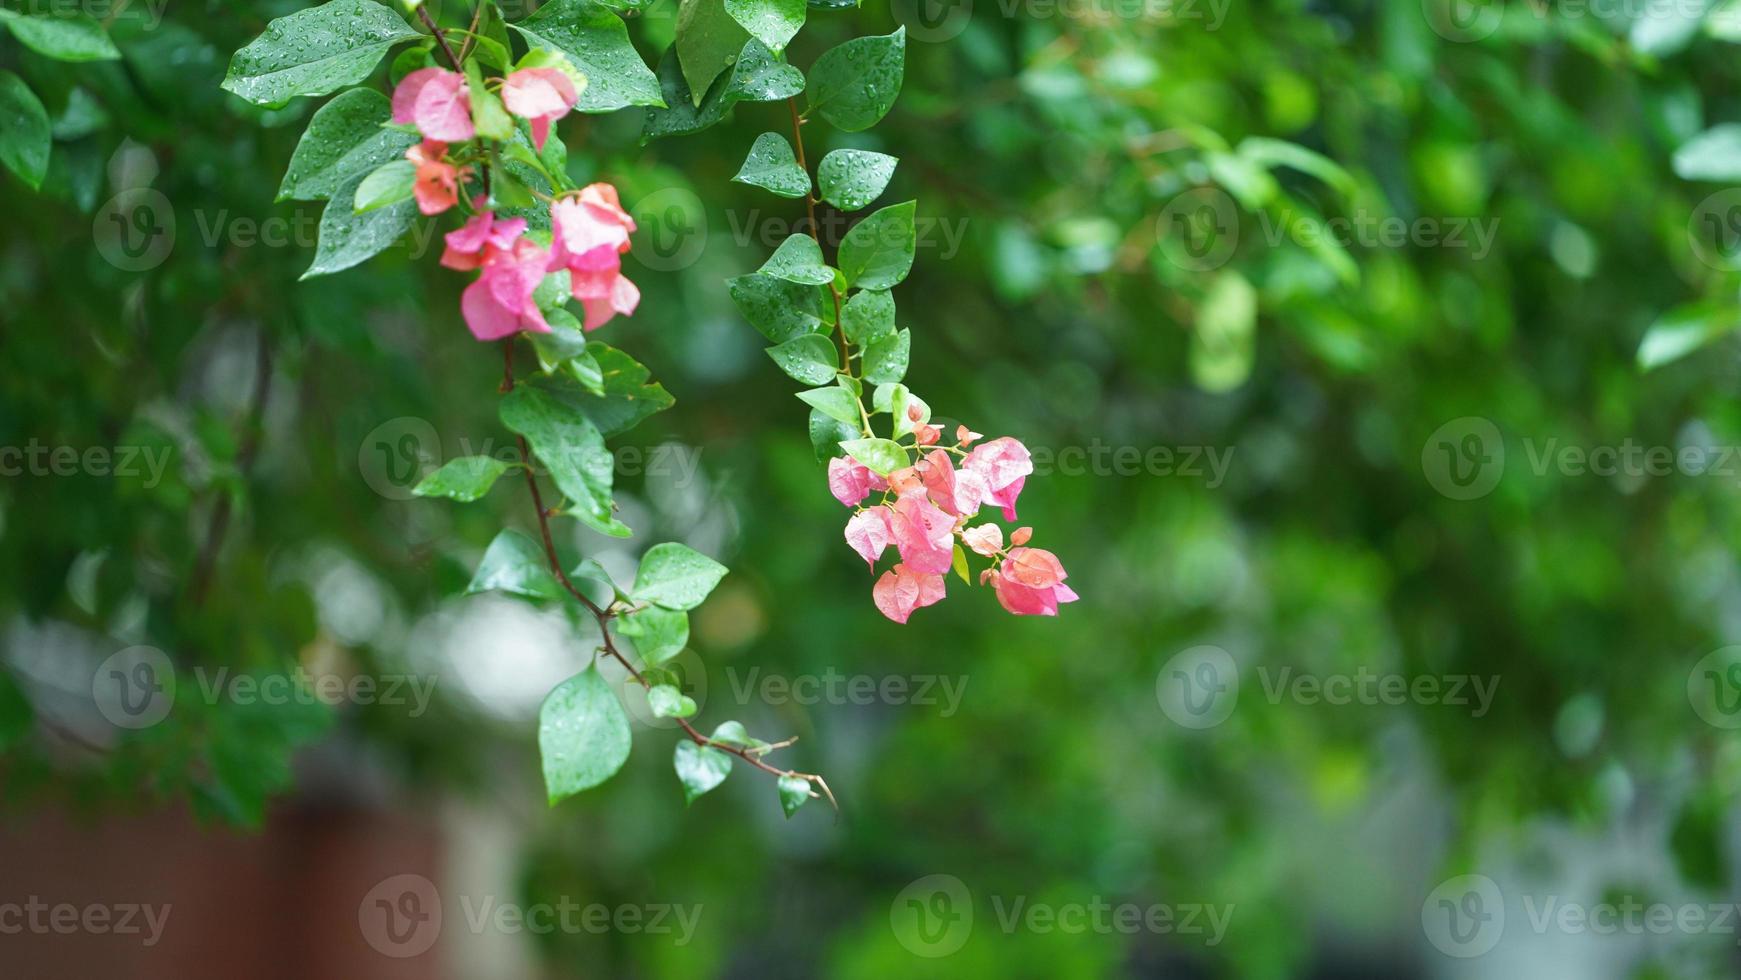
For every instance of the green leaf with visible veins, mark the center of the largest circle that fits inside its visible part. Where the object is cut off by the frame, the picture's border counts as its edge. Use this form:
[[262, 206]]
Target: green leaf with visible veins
[[571, 448], [344, 140], [583, 735], [515, 564], [799, 259], [810, 359], [676, 576], [597, 42], [315, 51], [347, 238], [658, 634], [708, 40], [771, 166], [73, 38], [853, 85], [781, 310], [772, 22], [885, 361], [794, 793], [878, 252], [464, 479], [851, 179]]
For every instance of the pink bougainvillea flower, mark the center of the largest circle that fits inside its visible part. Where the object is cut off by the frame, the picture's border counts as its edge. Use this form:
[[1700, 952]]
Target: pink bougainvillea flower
[[1020, 536], [868, 533], [959, 492], [965, 437], [479, 238], [923, 534], [905, 481], [1030, 582], [901, 590], [437, 102], [500, 303], [436, 185], [849, 480], [589, 232], [986, 539], [1004, 464], [541, 96]]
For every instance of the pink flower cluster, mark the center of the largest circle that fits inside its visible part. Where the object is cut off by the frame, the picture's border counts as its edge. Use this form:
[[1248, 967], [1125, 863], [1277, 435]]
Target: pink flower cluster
[[926, 507], [589, 228], [438, 102]]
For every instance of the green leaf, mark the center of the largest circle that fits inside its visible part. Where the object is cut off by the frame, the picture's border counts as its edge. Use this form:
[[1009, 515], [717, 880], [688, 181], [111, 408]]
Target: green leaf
[[1273, 153], [868, 316], [489, 117], [628, 396], [564, 348], [668, 702], [571, 448], [596, 41], [854, 85], [878, 252], [781, 310], [798, 259], [464, 479], [345, 140], [24, 133], [594, 582], [732, 733], [347, 238], [810, 359], [1684, 329], [771, 166], [413, 58], [851, 179], [1224, 340], [794, 793], [959, 563], [315, 51], [885, 361], [676, 576], [658, 634], [390, 183], [72, 38], [583, 735], [772, 22], [826, 435], [832, 401], [515, 564], [708, 39], [883, 456], [757, 77], [700, 768]]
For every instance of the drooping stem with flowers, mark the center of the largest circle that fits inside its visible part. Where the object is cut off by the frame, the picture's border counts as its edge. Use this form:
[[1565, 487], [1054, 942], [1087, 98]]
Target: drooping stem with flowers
[[467, 127]]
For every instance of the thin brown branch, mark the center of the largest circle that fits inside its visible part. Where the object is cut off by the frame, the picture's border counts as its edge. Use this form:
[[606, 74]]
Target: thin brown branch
[[816, 229], [604, 615], [440, 38]]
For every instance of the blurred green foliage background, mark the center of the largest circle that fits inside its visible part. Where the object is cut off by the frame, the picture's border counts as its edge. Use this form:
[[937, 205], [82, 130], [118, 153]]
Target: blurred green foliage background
[[1079, 307]]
